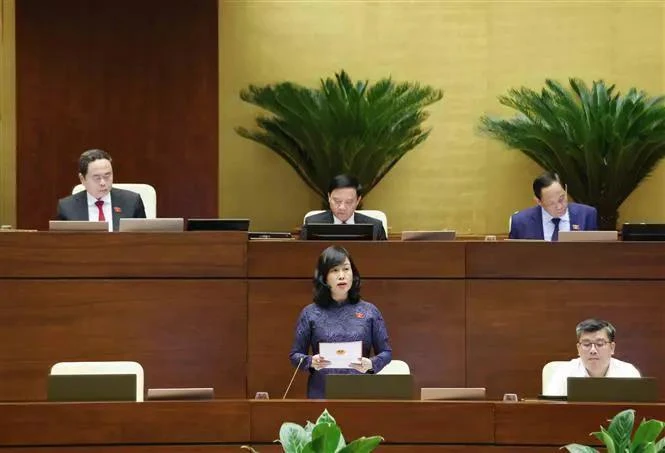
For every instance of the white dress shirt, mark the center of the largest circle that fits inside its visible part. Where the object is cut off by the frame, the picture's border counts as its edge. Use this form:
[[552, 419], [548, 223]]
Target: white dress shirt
[[93, 211], [558, 383], [548, 225], [351, 220]]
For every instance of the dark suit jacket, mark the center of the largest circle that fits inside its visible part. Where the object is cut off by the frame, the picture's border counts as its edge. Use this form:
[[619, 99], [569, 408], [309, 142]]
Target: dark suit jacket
[[327, 217], [124, 203], [528, 223]]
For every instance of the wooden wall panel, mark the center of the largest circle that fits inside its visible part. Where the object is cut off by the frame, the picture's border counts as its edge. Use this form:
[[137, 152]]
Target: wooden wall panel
[[138, 79], [425, 320], [185, 333], [514, 327]]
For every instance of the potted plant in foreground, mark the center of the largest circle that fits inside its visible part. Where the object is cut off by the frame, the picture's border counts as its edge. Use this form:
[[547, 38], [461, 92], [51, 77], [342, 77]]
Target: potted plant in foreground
[[324, 436], [616, 437]]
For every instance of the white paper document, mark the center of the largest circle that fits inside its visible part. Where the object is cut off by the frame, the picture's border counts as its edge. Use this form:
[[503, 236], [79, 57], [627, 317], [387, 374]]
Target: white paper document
[[341, 355]]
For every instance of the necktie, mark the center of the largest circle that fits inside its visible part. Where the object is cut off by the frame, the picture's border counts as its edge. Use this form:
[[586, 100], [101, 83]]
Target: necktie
[[99, 204], [555, 233]]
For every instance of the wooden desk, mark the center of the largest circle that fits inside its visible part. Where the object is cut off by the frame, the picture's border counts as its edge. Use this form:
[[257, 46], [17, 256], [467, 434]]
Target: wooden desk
[[201, 309], [224, 425]]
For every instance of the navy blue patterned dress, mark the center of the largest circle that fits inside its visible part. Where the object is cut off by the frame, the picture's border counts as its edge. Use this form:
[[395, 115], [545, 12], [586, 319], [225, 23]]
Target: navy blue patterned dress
[[339, 323]]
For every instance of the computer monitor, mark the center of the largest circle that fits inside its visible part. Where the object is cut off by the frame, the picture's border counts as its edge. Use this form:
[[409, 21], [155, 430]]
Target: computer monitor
[[217, 224], [642, 389], [91, 387], [77, 225], [159, 224], [369, 386], [643, 232], [339, 232]]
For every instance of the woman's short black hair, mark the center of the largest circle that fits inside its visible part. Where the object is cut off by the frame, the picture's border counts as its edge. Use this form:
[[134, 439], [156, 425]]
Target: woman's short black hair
[[329, 258]]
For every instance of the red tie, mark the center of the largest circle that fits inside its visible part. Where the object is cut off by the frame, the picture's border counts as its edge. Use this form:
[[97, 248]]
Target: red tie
[[99, 204]]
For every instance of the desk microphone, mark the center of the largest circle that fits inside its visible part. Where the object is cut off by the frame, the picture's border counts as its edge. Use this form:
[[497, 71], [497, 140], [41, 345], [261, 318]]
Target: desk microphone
[[294, 376]]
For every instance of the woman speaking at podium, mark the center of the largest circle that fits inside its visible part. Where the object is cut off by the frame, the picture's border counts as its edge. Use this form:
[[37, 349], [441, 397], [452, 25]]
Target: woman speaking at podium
[[338, 315]]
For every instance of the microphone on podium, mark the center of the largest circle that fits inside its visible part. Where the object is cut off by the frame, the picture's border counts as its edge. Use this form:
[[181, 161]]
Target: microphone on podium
[[294, 376]]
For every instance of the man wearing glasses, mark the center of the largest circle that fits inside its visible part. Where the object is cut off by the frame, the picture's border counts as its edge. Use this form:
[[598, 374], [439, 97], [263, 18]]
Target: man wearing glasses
[[552, 214], [344, 194], [595, 347], [99, 200]]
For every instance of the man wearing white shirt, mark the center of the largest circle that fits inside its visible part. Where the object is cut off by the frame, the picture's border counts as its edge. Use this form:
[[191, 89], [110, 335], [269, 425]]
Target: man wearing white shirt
[[99, 200], [595, 346], [344, 194]]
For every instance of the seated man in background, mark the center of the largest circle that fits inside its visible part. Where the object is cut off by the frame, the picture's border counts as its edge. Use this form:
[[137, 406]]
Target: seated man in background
[[99, 200], [344, 194], [552, 214], [595, 347]]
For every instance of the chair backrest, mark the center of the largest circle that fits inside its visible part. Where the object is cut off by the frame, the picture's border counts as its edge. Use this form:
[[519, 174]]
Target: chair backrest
[[147, 192], [103, 368], [510, 221], [378, 215], [395, 367], [548, 371]]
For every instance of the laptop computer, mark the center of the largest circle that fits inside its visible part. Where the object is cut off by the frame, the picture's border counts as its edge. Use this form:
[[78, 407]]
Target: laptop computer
[[217, 224], [452, 393], [369, 386], [587, 236], [77, 225], [91, 387], [164, 224], [202, 393], [428, 235], [339, 232], [643, 389]]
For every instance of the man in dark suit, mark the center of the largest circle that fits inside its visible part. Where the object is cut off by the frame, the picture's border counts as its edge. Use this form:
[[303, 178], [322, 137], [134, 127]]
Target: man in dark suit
[[99, 201], [553, 213], [344, 194]]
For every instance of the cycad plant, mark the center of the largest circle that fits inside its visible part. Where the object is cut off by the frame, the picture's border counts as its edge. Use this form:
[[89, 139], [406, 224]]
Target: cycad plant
[[601, 143], [341, 127]]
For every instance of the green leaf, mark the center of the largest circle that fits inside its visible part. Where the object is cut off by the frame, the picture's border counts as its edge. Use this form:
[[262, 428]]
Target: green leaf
[[647, 432], [293, 437], [577, 448], [660, 445], [621, 428], [607, 439], [362, 445], [325, 417], [341, 127], [602, 143], [330, 435]]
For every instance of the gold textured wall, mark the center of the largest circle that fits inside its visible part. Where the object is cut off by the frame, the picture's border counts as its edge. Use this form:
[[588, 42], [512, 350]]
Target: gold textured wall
[[472, 50], [7, 116]]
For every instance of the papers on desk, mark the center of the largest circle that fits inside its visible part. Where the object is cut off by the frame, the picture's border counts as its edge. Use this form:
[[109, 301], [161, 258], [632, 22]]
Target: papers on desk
[[340, 355]]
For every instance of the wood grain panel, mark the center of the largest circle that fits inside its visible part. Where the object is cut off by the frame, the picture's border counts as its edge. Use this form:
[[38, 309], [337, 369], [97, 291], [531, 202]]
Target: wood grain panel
[[419, 448], [123, 423], [566, 260], [380, 259], [185, 333], [558, 424], [138, 79], [132, 449], [81, 255], [514, 327], [397, 422], [425, 320]]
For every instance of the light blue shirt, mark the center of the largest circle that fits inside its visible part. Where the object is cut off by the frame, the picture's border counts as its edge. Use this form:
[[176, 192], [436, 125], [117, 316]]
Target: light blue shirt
[[548, 225]]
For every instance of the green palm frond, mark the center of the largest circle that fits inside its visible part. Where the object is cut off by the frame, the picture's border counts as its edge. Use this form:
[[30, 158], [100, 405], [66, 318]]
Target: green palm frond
[[601, 143], [341, 127]]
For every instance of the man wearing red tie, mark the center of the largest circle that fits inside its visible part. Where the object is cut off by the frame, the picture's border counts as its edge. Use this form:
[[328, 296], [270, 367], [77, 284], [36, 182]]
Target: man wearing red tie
[[99, 200]]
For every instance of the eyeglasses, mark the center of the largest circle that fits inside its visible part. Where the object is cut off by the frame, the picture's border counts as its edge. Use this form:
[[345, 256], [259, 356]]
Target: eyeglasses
[[600, 344]]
